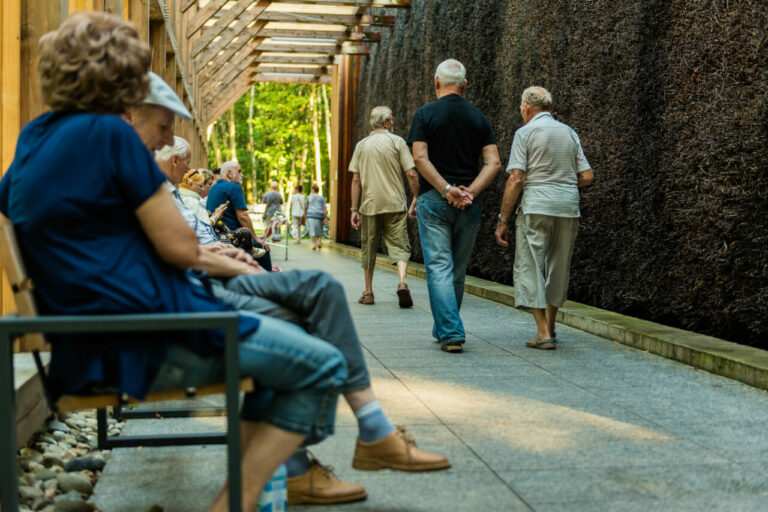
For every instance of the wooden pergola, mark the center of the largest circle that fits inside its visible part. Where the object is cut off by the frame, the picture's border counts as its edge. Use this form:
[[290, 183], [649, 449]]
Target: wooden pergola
[[211, 52]]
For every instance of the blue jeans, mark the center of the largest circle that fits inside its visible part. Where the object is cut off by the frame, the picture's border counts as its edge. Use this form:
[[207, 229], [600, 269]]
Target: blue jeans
[[447, 238], [297, 376], [311, 299]]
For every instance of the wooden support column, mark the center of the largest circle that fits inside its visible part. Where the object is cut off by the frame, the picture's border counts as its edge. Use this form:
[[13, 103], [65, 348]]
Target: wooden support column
[[137, 12], [157, 43], [10, 111], [344, 90]]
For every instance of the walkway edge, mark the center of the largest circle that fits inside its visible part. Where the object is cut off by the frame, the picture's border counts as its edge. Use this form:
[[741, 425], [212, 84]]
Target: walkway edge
[[721, 357]]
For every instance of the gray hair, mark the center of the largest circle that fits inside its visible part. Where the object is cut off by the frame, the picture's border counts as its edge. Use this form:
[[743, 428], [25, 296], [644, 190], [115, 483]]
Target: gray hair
[[231, 165], [379, 115], [538, 97], [451, 72], [180, 148]]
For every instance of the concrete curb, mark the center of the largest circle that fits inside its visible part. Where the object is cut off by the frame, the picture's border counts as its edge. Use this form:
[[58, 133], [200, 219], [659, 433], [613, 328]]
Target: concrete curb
[[721, 357]]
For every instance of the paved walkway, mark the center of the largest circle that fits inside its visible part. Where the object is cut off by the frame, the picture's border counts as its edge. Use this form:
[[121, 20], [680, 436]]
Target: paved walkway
[[593, 425]]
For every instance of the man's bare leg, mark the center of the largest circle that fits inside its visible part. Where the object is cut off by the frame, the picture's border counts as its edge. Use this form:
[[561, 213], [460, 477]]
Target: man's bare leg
[[551, 318], [402, 270], [264, 448], [540, 316], [357, 399], [368, 272]]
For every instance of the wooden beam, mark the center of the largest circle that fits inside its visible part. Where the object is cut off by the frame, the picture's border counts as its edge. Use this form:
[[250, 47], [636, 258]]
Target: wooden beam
[[349, 48], [187, 5], [266, 68], [249, 11], [138, 14], [155, 14], [157, 41], [227, 76], [269, 58], [351, 20], [356, 3], [316, 34]]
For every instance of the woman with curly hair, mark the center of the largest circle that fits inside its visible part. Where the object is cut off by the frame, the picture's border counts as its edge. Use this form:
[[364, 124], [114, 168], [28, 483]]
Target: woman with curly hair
[[105, 237], [191, 190]]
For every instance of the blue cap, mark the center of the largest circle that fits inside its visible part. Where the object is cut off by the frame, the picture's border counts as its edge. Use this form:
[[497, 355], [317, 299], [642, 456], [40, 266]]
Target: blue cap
[[160, 93]]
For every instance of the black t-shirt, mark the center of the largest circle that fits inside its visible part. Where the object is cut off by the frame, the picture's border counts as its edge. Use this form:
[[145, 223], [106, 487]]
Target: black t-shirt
[[455, 132]]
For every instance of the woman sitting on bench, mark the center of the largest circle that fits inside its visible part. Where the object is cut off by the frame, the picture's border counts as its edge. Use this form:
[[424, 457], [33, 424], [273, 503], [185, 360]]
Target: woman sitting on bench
[[100, 234]]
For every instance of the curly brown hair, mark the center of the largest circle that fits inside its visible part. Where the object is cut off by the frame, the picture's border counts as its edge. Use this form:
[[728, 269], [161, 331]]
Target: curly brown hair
[[94, 62]]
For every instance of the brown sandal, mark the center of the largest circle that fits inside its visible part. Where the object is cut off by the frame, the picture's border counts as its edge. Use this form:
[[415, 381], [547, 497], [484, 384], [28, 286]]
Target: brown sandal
[[366, 298]]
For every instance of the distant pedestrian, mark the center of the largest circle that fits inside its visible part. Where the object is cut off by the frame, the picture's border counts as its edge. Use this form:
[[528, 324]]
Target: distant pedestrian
[[315, 212], [547, 161], [378, 164], [272, 202], [449, 137], [297, 203]]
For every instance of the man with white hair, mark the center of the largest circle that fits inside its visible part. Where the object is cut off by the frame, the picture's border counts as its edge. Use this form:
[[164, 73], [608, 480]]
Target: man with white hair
[[228, 189], [547, 161], [449, 137], [378, 200]]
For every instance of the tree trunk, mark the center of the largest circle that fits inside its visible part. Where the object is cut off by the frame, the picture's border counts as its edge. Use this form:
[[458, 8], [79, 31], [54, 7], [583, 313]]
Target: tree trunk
[[316, 136], [327, 109], [215, 144], [251, 148], [232, 143]]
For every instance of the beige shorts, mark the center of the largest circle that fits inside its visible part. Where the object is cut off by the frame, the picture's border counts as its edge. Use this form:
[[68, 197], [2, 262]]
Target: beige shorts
[[543, 251], [394, 226]]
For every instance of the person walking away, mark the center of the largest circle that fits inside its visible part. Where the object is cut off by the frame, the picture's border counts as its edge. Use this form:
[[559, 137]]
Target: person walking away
[[449, 137], [272, 202], [547, 161], [315, 213], [377, 187], [297, 203]]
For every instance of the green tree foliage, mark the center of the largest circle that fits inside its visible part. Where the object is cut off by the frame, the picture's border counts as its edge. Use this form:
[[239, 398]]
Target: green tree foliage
[[280, 142]]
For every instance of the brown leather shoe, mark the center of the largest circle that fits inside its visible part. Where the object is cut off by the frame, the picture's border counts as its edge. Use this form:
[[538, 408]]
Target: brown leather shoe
[[366, 298], [319, 485], [396, 451], [404, 296]]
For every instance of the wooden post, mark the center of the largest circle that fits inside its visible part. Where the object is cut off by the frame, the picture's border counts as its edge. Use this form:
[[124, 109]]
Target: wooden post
[[344, 105], [137, 11], [10, 112], [157, 43]]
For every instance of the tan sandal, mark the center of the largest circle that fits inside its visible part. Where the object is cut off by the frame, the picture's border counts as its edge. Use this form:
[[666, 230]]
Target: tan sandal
[[366, 298]]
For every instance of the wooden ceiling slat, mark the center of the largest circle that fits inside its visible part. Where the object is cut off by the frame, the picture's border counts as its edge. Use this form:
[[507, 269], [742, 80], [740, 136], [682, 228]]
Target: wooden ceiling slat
[[314, 34], [203, 15], [298, 59], [336, 19], [228, 75], [225, 62], [243, 34], [187, 5], [222, 24], [266, 68], [355, 3]]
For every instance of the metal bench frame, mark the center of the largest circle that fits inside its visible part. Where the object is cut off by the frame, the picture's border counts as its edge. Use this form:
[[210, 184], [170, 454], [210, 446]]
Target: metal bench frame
[[13, 326]]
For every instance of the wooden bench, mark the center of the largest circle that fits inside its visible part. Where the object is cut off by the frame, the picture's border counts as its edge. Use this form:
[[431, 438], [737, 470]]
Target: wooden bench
[[25, 329]]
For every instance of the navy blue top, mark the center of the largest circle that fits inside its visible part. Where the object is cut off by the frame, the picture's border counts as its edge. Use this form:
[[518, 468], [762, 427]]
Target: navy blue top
[[71, 193], [220, 192], [456, 133]]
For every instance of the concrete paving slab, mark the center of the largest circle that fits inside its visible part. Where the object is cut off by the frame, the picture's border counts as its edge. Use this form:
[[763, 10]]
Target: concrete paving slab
[[591, 426]]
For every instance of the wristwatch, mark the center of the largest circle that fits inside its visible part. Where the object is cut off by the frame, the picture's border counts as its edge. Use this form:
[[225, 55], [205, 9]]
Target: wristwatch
[[445, 190], [503, 220]]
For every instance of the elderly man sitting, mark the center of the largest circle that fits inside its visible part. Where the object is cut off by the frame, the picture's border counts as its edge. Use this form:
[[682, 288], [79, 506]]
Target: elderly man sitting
[[315, 301]]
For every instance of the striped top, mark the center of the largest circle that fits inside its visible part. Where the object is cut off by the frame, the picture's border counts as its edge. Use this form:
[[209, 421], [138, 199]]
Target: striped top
[[549, 153]]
